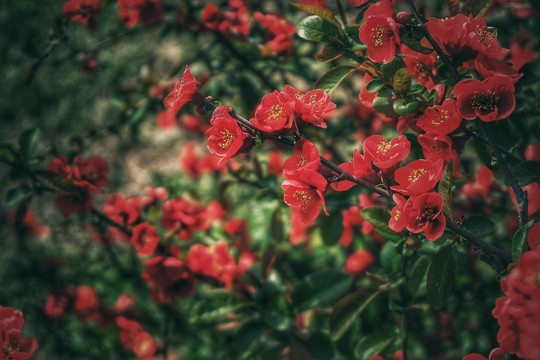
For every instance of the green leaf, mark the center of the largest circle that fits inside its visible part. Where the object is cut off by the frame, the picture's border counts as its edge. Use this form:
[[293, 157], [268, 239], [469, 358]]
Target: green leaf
[[278, 313], [333, 77], [476, 7], [320, 11], [390, 69], [390, 258], [453, 7], [440, 276], [320, 289], [479, 225], [319, 346], [329, 53], [445, 189], [384, 102], [16, 194], [379, 218], [519, 242], [405, 106], [418, 275], [416, 89], [28, 141], [527, 172], [402, 80], [372, 345], [375, 85], [315, 28], [332, 227], [413, 39], [219, 313], [348, 309]]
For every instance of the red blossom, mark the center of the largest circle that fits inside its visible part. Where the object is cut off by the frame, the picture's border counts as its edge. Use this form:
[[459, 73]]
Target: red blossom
[[358, 262], [168, 278], [487, 66], [312, 106], [79, 203], [183, 92], [423, 213], [275, 163], [360, 167], [93, 170], [306, 156], [275, 23], [60, 166], [146, 11], [386, 154], [144, 345], [83, 11], [56, 306], [437, 147], [15, 347], [184, 217], [380, 32], [121, 210], [213, 261], [398, 219], [145, 239], [440, 119], [518, 313], [85, 302], [419, 176], [275, 113], [304, 190], [225, 138], [490, 100], [166, 119]]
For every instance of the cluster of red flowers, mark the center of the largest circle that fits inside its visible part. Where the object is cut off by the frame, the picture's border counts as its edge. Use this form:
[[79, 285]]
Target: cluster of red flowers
[[279, 34], [518, 313], [83, 302], [233, 22], [12, 344], [88, 175], [195, 166]]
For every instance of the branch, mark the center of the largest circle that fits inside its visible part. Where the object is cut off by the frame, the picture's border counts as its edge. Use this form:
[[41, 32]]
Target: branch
[[103, 217]]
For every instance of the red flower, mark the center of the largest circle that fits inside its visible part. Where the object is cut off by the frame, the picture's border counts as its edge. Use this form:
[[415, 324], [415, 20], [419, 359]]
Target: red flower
[[168, 279], [440, 119], [424, 213], [214, 261], [299, 229], [147, 11], [275, 113], [225, 138], [495, 354], [60, 166], [490, 100], [154, 195], [182, 93], [166, 119], [360, 167], [55, 306], [380, 32], [83, 11], [306, 156], [275, 163], [85, 301], [79, 203], [211, 16], [518, 313], [94, 171], [144, 345], [304, 190], [437, 147], [145, 239], [311, 106], [419, 176], [487, 66], [358, 262], [480, 39], [10, 318], [15, 347], [275, 23], [386, 154], [398, 220], [184, 217], [123, 211]]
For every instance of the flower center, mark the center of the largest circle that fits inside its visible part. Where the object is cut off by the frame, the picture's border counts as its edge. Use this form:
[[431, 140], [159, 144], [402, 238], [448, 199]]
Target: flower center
[[180, 85], [377, 34], [485, 36], [302, 160], [226, 139], [420, 72], [416, 174], [443, 115], [397, 215], [11, 347], [275, 112], [303, 196], [484, 101]]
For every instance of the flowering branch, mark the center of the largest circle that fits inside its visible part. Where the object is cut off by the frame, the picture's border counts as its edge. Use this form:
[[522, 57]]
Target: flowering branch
[[521, 196]]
